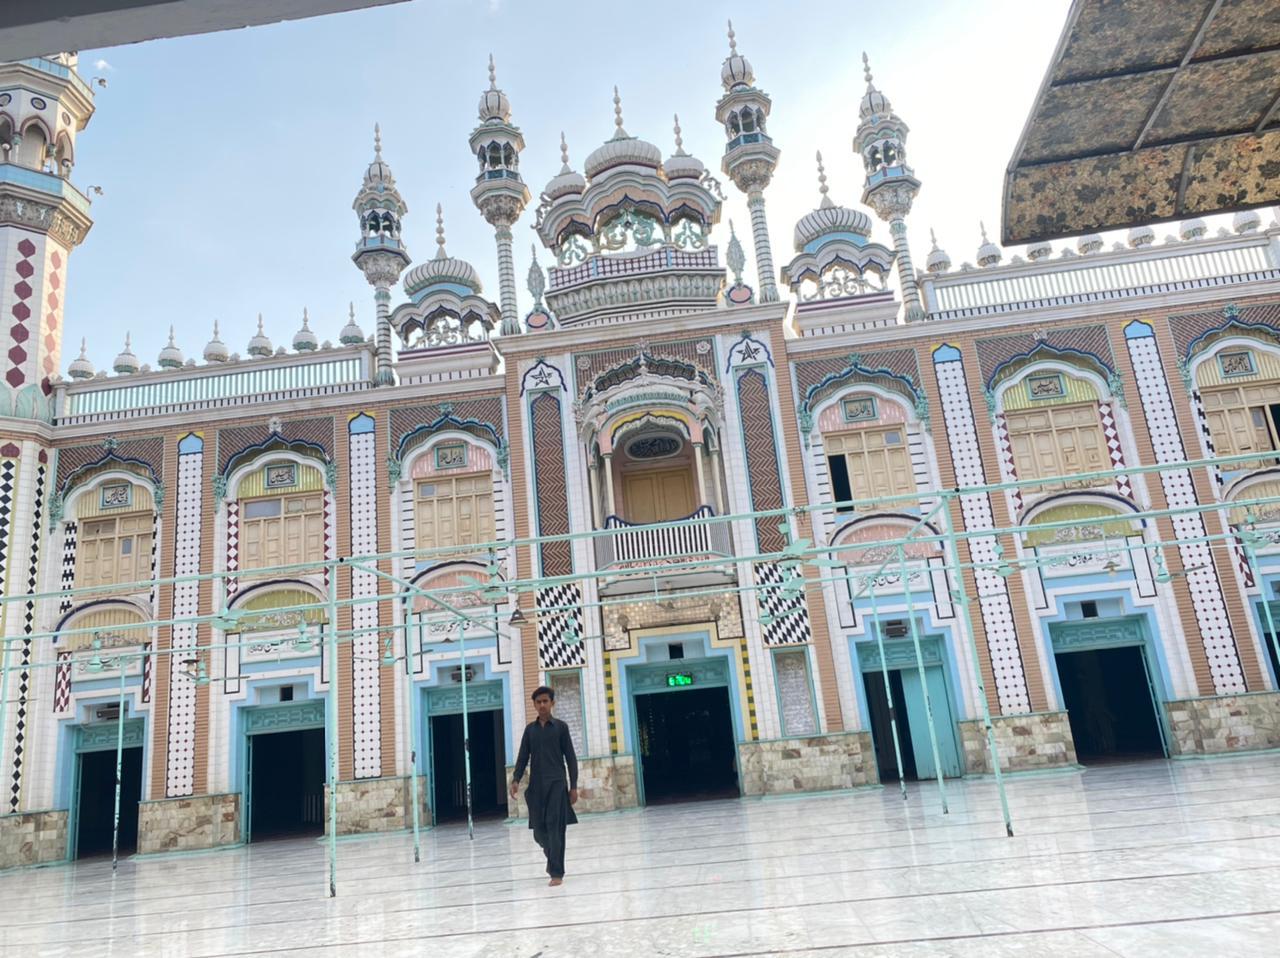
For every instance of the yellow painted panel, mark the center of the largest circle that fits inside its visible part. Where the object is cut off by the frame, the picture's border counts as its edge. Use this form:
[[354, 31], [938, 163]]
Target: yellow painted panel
[[1083, 512], [1266, 366], [1016, 397], [113, 621], [89, 505], [1263, 513], [254, 485]]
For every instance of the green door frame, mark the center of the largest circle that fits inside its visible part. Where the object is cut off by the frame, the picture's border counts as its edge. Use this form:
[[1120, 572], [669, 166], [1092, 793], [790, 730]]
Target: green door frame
[[483, 696], [263, 720], [1113, 632], [649, 678], [97, 737]]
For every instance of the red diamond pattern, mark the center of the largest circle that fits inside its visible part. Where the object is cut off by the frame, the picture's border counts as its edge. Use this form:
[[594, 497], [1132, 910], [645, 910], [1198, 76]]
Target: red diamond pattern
[[19, 333], [26, 247], [21, 311], [22, 288], [15, 378], [24, 269]]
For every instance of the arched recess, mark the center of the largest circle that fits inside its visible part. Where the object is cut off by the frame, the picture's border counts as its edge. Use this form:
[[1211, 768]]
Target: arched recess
[[36, 138], [876, 539], [1057, 417], [461, 584], [110, 524], [1235, 383], [1093, 518], [1245, 494], [115, 623]]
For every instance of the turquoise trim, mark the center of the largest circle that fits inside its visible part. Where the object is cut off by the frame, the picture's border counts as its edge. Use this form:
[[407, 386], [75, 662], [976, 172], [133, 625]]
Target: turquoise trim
[[102, 736], [284, 717], [857, 239], [1138, 330], [190, 443], [946, 353], [361, 424]]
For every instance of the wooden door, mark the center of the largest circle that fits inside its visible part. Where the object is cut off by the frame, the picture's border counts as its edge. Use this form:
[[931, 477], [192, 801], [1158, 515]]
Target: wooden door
[[659, 495]]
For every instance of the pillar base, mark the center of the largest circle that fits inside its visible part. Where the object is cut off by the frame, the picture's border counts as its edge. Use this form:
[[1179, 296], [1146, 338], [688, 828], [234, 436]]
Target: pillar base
[[187, 824], [606, 783], [818, 763], [1036, 740], [33, 838], [370, 805], [1218, 724]]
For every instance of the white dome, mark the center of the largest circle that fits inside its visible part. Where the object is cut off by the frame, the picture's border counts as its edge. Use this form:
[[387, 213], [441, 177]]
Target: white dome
[[680, 165], [1039, 251], [126, 362], [351, 333], [1090, 243], [937, 261], [826, 220], [494, 104], [736, 70], [304, 340], [1246, 221], [216, 350], [1192, 229], [568, 180], [1141, 236], [989, 253], [622, 149], [260, 345], [171, 356], [80, 367], [442, 269]]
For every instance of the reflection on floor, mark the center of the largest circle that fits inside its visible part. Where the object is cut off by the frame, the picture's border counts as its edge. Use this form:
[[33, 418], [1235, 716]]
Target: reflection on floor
[[1159, 858]]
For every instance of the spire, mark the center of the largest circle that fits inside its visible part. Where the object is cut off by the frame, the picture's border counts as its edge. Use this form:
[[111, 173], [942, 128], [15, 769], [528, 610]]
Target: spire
[[81, 367], [564, 155], [988, 253], [304, 340], [735, 257], [736, 70], [866, 70], [440, 253], [733, 43], [126, 362], [493, 74], [216, 350], [171, 355], [377, 141], [937, 261], [679, 139], [620, 133], [825, 203], [259, 345], [351, 333]]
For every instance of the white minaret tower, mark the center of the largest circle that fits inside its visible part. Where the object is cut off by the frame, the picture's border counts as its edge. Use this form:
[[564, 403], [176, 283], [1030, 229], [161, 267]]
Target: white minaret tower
[[891, 185], [749, 155], [380, 252], [43, 105], [500, 193]]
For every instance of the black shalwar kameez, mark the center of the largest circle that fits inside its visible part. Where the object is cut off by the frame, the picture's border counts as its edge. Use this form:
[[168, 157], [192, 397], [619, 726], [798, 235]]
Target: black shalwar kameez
[[547, 749]]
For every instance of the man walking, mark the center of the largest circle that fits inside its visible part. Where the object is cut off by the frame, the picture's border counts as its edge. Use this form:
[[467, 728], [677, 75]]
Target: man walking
[[549, 746]]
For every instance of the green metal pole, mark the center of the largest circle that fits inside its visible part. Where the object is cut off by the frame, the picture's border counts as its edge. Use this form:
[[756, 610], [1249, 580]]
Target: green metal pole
[[331, 724], [1251, 556], [924, 682], [115, 820], [466, 725], [966, 613], [411, 709], [884, 675]]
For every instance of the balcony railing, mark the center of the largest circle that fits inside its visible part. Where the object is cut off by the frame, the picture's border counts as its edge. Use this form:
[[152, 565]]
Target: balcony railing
[[635, 544]]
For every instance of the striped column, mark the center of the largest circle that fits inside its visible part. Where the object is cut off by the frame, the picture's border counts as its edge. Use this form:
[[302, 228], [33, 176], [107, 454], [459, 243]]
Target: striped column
[[764, 253], [180, 755], [507, 282], [366, 698]]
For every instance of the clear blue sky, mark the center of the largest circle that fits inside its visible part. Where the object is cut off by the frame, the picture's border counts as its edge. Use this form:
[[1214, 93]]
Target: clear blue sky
[[229, 161]]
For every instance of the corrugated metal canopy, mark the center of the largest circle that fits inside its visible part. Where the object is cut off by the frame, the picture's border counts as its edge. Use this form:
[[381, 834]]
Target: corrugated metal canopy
[[1151, 110]]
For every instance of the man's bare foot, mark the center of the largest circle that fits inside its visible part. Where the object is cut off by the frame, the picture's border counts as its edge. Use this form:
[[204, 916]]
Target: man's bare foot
[[556, 881]]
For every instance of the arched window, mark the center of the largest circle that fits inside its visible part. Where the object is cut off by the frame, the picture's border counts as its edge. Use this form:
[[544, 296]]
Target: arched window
[[34, 147], [6, 139], [1055, 428], [281, 516], [1090, 522], [115, 536], [735, 127], [508, 156], [389, 226], [495, 155], [454, 510], [867, 456], [760, 120], [748, 121]]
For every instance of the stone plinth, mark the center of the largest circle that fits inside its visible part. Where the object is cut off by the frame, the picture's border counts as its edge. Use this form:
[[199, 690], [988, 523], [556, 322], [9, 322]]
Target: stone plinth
[[1224, 723], [369, 805], [1028, 742], [818, 763], [605, 784], [183, 824], [33, 838]]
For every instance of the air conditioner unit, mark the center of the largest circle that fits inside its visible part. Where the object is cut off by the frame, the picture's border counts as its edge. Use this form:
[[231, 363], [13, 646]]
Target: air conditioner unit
[[106, 713], [896, 629], [455, 675]]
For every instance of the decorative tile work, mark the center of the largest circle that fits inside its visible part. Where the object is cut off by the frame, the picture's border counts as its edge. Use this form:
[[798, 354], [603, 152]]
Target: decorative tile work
[[813, 372], [611, 706], [753, 722], [1202, 423], [1112, 434], [180, 755], [549, 480], [790, 612], [411, 426], [762, 457], [49, 330], [236, 440], [1008, 471], [1193, 330], [1202, 575], [28, 626], [18, 332], [993, 592], [62, 684], [560, 633], [330, 533], [148, 673], [233, 545], [68, 581], [699, 353], [366, 690], [1089, 342], [78, 462]]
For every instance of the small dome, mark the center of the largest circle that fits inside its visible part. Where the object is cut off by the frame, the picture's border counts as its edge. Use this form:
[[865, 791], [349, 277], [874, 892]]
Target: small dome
[[443, 268], [1192, 229], [80, 367], [494, 104], [304, 340], [829, 218], [1246, 221], [259, 345], [126, 362], [1039, 251], [988, 253], [937, 261], [874, 103], [680, 165], [378, 175], [622, 149], [1141, 236], [1090, 243], [171, 355], [736, 70], [216, 350], [568, 180], [351, 334]]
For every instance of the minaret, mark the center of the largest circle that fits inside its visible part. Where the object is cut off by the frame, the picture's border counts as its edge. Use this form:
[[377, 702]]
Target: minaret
[[749, 156], [500, 193], [891, 185], [380, 252], [42, 219]]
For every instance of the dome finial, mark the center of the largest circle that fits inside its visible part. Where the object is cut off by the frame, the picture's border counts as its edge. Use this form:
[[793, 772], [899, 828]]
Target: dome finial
[[617, 115], [351, 313], [866, 70], [982, 226], [377, 140], [259, 324], [493, 74], [215, 329], [733, 43], [679, 139], [822, 182], [564, 154], [171, 342], [440, 253], [305, 319], [932, 238]]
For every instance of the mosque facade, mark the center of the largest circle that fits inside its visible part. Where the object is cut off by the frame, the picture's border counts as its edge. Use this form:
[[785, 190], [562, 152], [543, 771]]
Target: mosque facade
[[180, 538]]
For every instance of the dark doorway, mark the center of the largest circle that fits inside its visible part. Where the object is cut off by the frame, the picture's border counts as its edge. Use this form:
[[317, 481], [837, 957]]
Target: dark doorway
[[687, 749], [882, 730], [1108, 702], [1271, 655], [287, 785], [488, 766], [98, 801]]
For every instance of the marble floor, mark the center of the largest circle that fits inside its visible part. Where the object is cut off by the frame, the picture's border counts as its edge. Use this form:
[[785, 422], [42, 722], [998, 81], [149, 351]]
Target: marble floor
[[1161, 858]]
